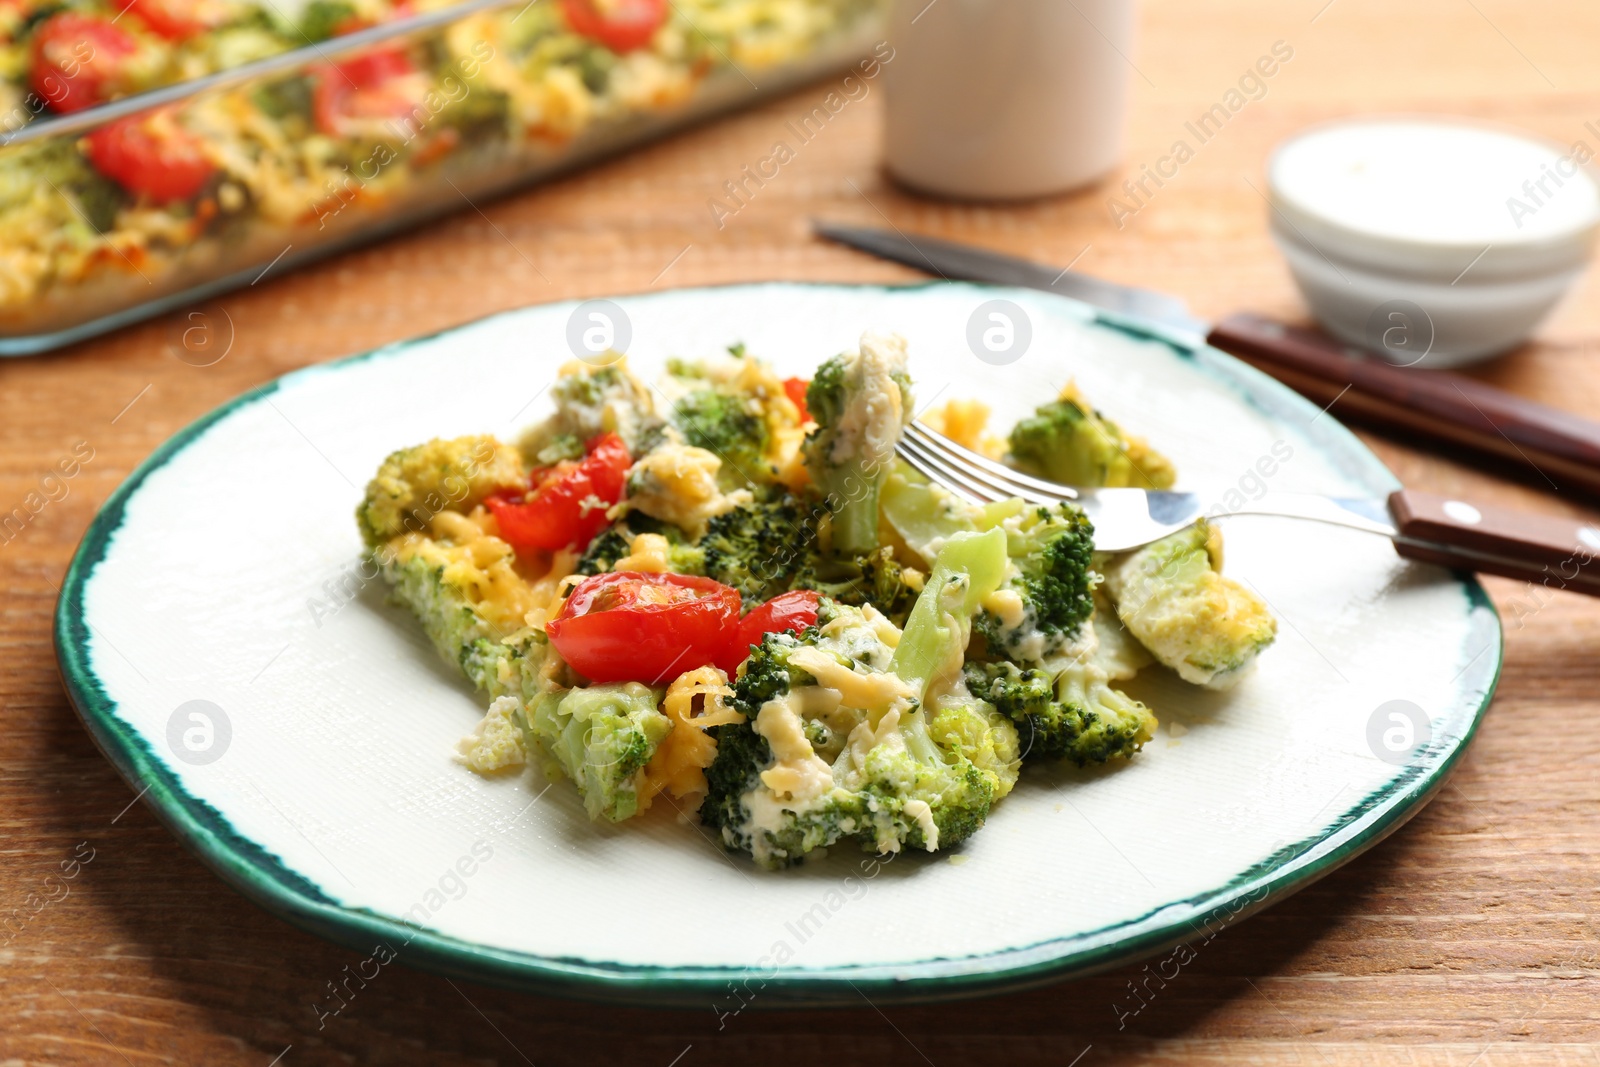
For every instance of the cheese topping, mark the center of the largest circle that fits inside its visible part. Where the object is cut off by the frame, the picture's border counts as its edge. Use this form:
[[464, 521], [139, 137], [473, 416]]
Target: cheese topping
[[867, 691], [487, 570], [1007, 606], [919, 811], [796, 772], [864, 738], [963, 421], [647, 553], [483, 567], [882, 628], [677, 483], [679, 763]]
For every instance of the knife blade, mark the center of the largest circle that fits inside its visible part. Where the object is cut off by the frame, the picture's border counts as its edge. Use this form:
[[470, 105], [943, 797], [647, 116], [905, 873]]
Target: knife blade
[[960, 262], [1544, 446]]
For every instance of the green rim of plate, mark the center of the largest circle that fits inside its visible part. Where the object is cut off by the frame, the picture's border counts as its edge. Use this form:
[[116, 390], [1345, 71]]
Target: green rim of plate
[[262, 878]]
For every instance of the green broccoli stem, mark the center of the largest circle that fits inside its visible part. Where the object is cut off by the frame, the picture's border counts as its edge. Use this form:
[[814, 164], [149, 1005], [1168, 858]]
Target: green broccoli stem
[[852, 498], [969, 567]]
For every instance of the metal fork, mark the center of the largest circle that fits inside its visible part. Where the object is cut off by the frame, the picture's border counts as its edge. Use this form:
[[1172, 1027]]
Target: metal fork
[[1123, 519]]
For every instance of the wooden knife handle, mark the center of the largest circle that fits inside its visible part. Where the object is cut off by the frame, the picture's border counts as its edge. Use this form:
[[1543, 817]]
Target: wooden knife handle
[[1562, 449], [1555, 553]]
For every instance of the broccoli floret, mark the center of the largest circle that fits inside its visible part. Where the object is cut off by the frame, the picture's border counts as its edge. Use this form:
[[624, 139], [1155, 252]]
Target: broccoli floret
[[415, 484], [731, 426], [1117, 652], [803, 772], [455, 626], [979, 732], [602, 737], [1050, 591], [766, 548], [875, 578], [1073, 715], [861, 402], [1070, 442], [499, 655], [1172, 597], [751, 816], [759, 548], [581, 390]]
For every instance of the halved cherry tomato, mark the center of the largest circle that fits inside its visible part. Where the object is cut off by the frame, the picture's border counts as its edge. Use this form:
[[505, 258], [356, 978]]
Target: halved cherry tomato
[[628, 626], [369, 87], [620, 25], [789, 612], [178, 20], [795, 390], [150, 154], [566, 505], [77, 60]]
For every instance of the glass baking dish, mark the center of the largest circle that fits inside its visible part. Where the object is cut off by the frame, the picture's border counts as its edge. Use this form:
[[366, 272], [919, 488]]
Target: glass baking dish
[[126, 209]]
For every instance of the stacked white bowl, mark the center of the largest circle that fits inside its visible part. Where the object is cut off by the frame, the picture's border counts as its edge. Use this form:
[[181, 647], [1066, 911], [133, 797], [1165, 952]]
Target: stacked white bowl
[[1431, 242]]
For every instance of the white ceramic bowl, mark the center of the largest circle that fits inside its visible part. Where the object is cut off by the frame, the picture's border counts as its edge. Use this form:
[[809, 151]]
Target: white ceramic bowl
[[1432, 242]]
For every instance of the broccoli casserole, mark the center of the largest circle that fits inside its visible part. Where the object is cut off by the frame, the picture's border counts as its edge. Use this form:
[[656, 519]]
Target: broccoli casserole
[[726, 594], [127, 210]]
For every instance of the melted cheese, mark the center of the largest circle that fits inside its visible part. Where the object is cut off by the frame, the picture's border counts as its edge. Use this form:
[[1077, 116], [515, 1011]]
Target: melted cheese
[[487, 570], [551, 590], [866, 737], [785, 432], [922, 814], [480, 565], [886, 631], [963, 421], [1007, 606], [797, 772], [677, 483], [679, 763], [648, 554], [866, 691]]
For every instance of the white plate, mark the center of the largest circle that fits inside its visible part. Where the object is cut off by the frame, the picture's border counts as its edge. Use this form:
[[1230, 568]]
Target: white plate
[[227, 571]]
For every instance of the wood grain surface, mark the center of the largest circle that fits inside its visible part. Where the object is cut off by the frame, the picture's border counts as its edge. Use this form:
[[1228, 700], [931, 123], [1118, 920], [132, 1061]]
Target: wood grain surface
[[1469, 937]]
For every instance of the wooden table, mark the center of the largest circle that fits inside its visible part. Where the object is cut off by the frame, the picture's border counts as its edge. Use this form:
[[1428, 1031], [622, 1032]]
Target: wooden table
[[1468, 938]]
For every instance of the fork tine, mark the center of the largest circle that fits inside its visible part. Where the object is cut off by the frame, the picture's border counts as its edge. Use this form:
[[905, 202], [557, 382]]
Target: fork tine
[[948, 470], [1015, 482], [944, 473]]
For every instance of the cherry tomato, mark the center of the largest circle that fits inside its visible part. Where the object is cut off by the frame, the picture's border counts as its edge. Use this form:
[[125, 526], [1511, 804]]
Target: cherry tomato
[[151, 155], [77, 60], [566, 505], [620, 25], [795, 389], [632, 627], [789, 612], [369, 87], [177, 20]]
